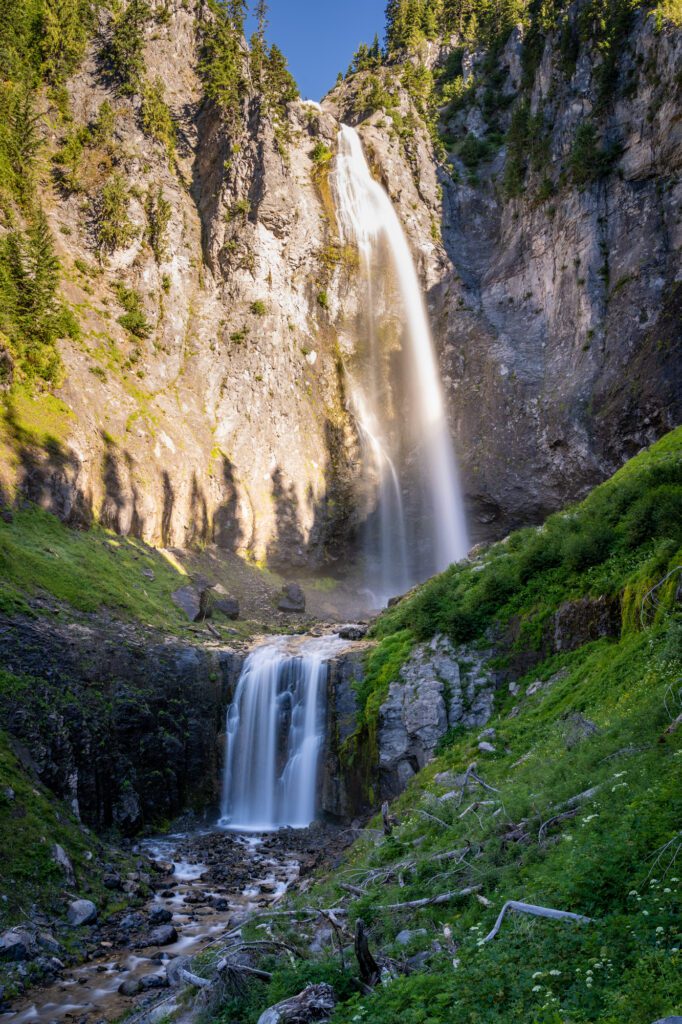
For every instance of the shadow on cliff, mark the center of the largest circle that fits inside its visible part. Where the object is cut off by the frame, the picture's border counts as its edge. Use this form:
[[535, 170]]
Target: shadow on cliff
[[333, 529], [48, 472], [227, 528]]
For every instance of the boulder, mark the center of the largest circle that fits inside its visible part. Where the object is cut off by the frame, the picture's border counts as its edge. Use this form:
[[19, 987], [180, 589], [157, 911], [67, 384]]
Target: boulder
[[130, 987], [223, 603], [292, 598], [159, 915], [314, 1003], [353, 631], [112, 881], [164, 935], [16, 944], [405, 937], [81, 912], [195, 602], [153, 981]]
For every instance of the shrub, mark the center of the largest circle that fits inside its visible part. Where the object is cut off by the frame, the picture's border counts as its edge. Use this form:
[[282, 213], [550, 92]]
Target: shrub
[[258, 308], [589, 161], [114, 228], [134, 319], [157, 120], [321, 153], [159, 212], [323, 300]]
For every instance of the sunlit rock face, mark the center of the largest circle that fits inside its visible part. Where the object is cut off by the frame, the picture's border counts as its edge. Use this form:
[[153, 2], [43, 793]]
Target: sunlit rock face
[[232, 423]]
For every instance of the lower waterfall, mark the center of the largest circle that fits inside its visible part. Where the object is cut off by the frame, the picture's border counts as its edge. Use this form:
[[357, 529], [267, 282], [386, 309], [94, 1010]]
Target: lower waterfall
[[274, 736]]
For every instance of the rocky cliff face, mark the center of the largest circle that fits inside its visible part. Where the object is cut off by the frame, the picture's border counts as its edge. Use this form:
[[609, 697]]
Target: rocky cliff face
[[226, 419], [125, 727]]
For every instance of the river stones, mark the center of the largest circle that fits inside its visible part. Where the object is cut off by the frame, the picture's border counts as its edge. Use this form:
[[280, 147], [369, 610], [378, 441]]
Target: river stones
[[353, 631], [164, 935], [130, 987], [81, 912], [160, 915], [16, 944]]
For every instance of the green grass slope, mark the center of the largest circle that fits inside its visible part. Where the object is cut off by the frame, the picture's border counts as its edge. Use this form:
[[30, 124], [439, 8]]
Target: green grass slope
[[585, 810]]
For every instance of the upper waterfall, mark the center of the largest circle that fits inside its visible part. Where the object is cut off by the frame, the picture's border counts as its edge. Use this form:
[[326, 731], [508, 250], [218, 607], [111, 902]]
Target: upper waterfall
[[402, 421]]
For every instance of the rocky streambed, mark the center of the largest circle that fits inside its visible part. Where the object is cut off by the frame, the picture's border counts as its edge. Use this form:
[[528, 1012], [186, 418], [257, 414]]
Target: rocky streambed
[[205, 885]]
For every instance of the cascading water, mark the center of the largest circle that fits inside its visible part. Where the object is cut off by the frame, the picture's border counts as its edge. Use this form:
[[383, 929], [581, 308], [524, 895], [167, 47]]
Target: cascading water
[[275, 732], [401, 549]]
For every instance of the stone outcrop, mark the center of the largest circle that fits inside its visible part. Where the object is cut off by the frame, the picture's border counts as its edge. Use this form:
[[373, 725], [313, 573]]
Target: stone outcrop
[[439, 688], [124, 727]]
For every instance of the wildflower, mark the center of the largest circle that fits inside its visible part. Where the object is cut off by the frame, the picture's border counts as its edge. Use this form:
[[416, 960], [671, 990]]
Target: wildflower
[[455, 963], [619, 775], [667, 889], [633, 892], [646, 913], [619, 785], [555, 973], [660, 930], [538, 974], [537, 988]]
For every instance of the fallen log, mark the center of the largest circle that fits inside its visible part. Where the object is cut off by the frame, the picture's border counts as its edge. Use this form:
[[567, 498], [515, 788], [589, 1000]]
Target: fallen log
[[314, 1003], [530, 908], [428, 901]]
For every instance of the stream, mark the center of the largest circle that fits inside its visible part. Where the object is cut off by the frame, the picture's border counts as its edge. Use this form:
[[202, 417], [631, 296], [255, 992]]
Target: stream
[[206, 884]]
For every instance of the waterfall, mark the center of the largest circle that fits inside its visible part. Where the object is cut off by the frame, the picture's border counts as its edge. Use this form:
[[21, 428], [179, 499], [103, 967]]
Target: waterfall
[[402, 423], [274, 736]]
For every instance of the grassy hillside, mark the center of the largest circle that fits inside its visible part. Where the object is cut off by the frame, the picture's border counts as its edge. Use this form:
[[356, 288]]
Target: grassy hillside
[[584, 801]]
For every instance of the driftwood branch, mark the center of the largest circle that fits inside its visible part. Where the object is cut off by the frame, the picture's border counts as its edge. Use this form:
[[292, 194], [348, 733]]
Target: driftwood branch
[[470, 773], [564, 816], [428, 901], [194, 979], [529, 908]]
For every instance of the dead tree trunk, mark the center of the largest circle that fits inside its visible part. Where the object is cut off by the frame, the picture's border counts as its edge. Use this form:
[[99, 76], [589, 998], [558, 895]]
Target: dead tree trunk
[[369, 968]]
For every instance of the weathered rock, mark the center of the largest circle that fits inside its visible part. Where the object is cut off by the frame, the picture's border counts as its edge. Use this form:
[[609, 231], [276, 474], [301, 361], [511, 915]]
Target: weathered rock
[[579, 622], [152, 981], [406, 936], [81, 912], [160, 915], [112, 881], [195, 602], [164, 935], [353, 631], [315, 1003], [292, 599], [431, 696], [220, 601], [17, 944], [130, 987]]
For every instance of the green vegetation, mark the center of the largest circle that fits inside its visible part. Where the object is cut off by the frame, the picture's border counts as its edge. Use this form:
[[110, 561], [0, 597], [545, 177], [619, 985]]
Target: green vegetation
[[588, 161], [134, 319], [157, 120], [159, 212], [584, 810], [32, 317], [114, 228], [258, 308], [125, 50], [87, 570], [321, 153], [620, 541]]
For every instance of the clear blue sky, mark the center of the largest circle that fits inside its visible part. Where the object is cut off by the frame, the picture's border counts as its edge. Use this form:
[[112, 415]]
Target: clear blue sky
[[319, 37]]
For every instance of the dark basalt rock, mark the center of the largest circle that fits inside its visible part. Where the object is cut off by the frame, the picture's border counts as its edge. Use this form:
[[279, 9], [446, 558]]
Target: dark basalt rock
[[165, 935], [292, 599]]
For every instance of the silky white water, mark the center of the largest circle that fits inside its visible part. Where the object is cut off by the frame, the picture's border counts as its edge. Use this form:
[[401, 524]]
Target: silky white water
[[274, 736], [413, 427]]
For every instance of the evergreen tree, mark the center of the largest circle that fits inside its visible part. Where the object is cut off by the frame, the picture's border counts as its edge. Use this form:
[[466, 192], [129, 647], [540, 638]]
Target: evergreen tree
[[63, 37], [281, 84], [126, 48], [261, 13], [222, 60]]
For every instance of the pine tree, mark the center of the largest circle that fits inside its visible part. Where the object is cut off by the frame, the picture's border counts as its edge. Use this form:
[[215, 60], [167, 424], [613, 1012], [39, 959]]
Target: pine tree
[[126, 49], [64, 26], [261, 13], [281, 84]]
